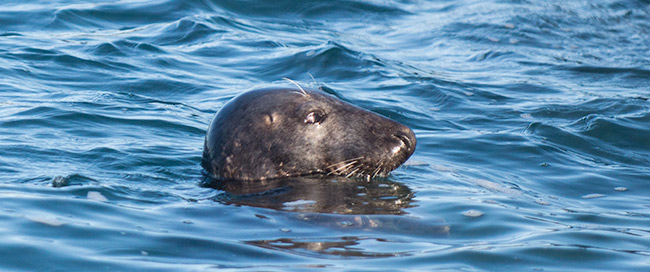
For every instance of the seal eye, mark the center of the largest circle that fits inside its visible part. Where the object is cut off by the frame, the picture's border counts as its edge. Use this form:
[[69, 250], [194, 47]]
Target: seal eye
[[315, 117]]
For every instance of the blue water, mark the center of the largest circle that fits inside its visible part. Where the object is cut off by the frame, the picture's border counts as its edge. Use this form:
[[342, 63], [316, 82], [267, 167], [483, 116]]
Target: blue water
[[532, 119]]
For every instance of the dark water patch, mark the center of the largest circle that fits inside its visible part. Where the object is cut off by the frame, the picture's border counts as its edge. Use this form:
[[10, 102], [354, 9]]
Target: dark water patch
[[111, 15], [490, 55], [623, 76], [23, 17], [586, 151], [124, 48], [606, 107], [186, 32], [41, 62], [530, 91], [605, 123], [314, 9], [323, 56], [107, 49], [55, 118], [156, 86], [616, 132], [9, 34]]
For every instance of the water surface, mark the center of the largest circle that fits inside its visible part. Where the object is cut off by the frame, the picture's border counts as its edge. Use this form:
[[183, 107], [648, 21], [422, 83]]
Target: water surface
[[532, 119]]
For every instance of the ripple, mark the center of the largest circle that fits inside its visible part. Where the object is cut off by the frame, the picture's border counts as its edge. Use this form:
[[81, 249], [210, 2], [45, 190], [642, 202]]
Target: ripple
[[186, 31]]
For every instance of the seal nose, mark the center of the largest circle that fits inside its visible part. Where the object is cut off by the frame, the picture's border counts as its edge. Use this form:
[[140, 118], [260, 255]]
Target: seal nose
[[407, 137]]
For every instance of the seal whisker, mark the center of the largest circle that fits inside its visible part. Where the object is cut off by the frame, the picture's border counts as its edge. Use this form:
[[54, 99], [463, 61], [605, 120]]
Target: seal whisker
[[374, 173], [312, 77], [344, 162], [298, 85], [342, 169], [353, 171]]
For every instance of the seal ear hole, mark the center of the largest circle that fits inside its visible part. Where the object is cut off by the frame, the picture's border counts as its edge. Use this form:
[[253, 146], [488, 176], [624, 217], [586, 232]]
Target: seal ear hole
[[315, 117]]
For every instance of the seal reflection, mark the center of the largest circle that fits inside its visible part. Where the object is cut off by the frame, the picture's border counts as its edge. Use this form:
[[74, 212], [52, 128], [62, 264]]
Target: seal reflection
[[333, 203], [334, 195]]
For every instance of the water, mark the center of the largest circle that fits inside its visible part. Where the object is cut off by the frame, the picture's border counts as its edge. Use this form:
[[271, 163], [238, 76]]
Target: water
[[532, 118]]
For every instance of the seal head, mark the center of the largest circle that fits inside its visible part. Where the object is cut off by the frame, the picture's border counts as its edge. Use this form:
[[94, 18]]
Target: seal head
[[274, 133]]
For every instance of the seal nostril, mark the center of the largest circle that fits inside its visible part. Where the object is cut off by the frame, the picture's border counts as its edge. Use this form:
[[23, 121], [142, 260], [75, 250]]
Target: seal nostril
[[408, 144]]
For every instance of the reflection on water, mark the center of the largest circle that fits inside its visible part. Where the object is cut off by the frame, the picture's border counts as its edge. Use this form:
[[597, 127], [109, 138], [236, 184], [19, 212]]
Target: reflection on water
[[336, 204], [334, 247], [334, 195]]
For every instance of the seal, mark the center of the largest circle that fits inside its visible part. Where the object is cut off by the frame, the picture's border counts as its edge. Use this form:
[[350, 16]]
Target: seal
[[281, 132]]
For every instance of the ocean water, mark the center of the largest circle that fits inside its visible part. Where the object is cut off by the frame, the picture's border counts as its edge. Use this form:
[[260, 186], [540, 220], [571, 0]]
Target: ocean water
[[532, 119]]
